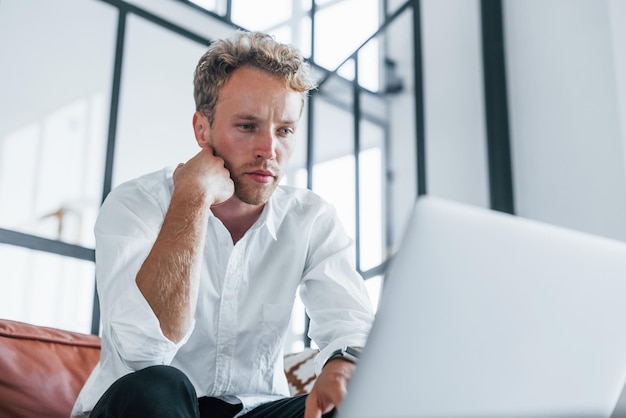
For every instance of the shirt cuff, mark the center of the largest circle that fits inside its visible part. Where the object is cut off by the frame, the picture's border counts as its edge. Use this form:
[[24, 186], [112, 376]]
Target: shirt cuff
[[323, 356], [137, 334]]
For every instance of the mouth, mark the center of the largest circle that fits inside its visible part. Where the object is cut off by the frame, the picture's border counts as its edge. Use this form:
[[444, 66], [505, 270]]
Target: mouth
[[261, 176]]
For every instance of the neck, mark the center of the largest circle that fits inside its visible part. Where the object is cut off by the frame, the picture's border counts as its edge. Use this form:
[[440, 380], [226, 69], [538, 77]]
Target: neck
[[237, 216]]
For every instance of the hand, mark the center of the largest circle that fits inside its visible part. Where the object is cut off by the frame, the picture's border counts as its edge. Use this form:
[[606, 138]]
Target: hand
[[205, 173], [329, 388]]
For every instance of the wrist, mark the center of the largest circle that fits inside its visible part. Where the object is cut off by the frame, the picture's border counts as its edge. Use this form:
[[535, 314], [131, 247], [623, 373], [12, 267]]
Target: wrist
[[347, 353], [191, 194]]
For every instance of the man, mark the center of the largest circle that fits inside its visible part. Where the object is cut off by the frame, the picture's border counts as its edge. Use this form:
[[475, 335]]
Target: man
[[197, 268]]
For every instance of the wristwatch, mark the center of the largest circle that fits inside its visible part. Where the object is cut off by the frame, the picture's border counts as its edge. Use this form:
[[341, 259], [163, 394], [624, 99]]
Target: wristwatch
[[348, 353]]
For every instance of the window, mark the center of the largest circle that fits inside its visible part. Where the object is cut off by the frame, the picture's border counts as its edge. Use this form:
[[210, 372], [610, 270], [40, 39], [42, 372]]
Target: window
[[56, 84], [57, 128]]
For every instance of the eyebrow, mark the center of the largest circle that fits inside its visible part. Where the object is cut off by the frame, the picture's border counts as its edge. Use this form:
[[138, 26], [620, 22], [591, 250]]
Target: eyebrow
[[245, 116], [249, 117]]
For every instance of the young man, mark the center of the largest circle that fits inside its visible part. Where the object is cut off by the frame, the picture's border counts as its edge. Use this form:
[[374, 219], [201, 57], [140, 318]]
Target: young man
[[198, 267]]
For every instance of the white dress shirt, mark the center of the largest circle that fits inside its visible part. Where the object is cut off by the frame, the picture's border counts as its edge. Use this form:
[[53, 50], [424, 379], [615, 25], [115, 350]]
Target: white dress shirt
[[246, 294]]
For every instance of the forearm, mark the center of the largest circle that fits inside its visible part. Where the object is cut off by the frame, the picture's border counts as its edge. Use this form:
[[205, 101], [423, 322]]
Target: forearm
[[169, 277]]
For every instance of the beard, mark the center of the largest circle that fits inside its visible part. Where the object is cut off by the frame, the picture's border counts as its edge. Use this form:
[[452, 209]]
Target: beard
[[251, 192]]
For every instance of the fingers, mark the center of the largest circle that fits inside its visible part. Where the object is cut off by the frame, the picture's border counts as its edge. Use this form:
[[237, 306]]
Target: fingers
[[311, 408], [329, 389], [322, 399], [205, 173]]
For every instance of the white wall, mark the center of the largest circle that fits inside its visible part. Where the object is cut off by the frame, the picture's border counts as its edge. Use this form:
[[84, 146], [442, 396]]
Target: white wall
[[456, 159], [567, 142], [566, 70], [453, 101], [617, 12]]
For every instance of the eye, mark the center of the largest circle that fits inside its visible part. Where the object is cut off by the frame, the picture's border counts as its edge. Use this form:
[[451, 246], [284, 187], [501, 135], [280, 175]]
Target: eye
[[286, 131], [246, 126]]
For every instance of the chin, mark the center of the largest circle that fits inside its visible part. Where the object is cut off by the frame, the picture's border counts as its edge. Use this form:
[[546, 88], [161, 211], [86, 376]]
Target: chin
[[254, 196]]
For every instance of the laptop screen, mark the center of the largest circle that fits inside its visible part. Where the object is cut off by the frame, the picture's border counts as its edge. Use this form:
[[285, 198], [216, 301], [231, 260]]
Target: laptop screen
[[485, 314]]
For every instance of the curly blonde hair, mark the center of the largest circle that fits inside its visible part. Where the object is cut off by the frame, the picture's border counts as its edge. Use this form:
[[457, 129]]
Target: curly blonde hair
[[254, 49]]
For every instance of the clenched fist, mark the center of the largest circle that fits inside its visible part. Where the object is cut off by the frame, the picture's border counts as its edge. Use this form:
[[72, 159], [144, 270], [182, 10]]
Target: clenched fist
[[204, 175]]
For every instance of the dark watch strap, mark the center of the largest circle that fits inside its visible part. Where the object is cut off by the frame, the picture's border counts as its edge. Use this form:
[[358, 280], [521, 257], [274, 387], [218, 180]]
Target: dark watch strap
[[347, 353]]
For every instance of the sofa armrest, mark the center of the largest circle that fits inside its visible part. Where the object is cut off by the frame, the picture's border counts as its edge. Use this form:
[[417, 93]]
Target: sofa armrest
[[300, 371], [42, 369]]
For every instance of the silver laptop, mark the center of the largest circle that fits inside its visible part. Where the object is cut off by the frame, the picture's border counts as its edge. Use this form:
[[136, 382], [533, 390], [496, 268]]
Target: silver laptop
[[485, 314]]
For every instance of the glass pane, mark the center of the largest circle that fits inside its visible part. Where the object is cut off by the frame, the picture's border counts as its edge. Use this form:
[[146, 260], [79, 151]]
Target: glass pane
[[296, 178], [259, 15], [302, 36], [333, 43], [401, 118], [156, 101], [334, 181], [287, 20], [374, 287], [216, 6], [339, 90], [334, 168], [296, 170], [298, 158], [54, 106], [372, 245], [46, 289], [185, 15], [369, 65]]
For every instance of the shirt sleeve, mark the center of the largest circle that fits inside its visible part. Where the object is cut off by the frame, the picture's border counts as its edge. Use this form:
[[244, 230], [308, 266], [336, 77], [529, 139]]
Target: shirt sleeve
[[126, 229], [333, 292]]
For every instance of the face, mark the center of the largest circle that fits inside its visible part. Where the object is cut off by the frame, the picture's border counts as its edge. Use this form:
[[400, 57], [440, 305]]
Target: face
[[253, 132]]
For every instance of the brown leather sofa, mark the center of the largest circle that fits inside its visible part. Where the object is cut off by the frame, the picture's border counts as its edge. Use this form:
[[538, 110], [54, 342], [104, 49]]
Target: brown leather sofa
[[42, 369]]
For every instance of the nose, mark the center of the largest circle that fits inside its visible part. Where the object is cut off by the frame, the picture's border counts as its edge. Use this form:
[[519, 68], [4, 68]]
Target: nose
[[265, 146]]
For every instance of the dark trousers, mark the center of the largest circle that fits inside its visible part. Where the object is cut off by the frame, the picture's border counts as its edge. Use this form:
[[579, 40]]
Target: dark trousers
[[164, 391]]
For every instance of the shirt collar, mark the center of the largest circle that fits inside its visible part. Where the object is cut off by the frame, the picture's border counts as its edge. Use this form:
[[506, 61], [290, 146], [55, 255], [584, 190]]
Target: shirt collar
[[268, 218]]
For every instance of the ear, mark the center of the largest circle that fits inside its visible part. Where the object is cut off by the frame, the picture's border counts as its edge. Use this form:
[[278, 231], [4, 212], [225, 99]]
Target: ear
[[201, 130]]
